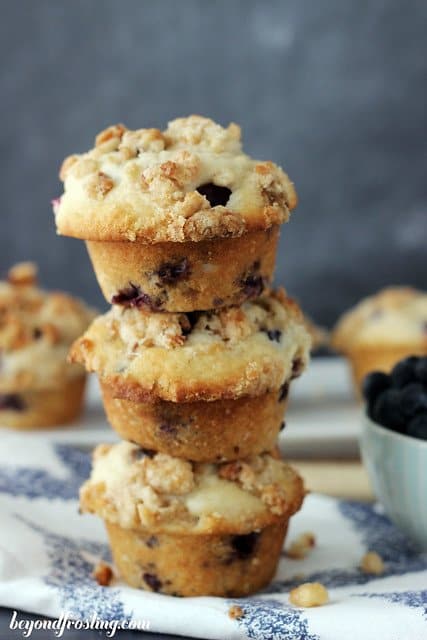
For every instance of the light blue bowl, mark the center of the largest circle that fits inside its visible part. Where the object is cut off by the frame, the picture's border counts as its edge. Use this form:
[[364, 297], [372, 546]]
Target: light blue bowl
[[397, 467]]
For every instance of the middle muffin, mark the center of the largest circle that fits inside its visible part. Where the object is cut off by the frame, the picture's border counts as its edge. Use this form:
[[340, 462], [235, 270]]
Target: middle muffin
[[202, 385]]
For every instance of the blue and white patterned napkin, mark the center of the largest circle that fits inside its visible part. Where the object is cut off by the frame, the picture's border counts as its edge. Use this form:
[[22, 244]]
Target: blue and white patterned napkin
[[48, 551]]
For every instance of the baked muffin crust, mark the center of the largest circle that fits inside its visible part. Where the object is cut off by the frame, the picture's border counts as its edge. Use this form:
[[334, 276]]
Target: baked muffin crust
[[395, 316], [190, 182], [207, 355], [140, 489], [201, 431]]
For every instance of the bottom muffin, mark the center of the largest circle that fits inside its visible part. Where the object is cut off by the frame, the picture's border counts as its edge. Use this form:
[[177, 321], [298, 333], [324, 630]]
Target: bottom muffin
[[192, 529], [188, 565], [200, 431], [44, 407]]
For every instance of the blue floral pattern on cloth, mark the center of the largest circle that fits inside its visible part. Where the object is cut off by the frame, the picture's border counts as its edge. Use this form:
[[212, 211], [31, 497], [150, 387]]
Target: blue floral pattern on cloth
[[377, 534], [412, 599], [54, 563], [70, 572], [271, 619], [36, 482]]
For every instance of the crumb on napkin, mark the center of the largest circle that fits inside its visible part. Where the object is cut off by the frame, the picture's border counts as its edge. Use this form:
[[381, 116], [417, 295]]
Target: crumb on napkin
[[309, 594], [103, 574], [301, 546], [235, 612], [372, 563]]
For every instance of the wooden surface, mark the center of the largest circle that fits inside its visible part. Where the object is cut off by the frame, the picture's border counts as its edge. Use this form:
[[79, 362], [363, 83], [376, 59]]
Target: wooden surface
[[340, 478]]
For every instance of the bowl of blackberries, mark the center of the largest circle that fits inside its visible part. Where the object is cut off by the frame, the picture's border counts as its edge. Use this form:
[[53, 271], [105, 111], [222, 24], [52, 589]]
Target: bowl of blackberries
[[394, 443]]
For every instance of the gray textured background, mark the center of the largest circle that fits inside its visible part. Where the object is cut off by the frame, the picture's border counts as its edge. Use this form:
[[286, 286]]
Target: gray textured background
[[336, 92]]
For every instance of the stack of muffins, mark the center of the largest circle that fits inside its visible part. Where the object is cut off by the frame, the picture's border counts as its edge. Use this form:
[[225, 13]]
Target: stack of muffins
[[194, 358]]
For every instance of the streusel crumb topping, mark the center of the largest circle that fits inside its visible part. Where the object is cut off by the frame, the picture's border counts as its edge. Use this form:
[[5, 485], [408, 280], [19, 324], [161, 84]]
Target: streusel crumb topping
[[36, 331], [208, 355], [395, 315], [188, 183], [139, 488]]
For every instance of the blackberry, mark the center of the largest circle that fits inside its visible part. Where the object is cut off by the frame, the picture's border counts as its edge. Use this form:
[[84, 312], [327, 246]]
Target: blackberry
[[413, 399], [387, 410], [417, 428], [421, 370], [374, 384], [404, 372]]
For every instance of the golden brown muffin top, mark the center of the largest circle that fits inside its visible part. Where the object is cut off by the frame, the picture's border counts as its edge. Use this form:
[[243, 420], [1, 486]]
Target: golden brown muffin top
[[207, 355], [142, 489], [188, 183], [393, 316]]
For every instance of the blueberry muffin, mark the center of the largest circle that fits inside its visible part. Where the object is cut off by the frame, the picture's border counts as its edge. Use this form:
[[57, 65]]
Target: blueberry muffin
[[175, 220], [319, 336], [38, 387], [208, 385], [192, 529], [202, 431], [383, 329]]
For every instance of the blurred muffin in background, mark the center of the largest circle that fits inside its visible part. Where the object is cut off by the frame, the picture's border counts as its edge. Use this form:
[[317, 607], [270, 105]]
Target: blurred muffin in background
[[381, 330], [38, 387], [319, 336]]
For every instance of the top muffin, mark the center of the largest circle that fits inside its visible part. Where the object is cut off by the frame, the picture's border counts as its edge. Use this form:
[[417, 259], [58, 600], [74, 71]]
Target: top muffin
[[36, 331], [190, 182], [394, 316]]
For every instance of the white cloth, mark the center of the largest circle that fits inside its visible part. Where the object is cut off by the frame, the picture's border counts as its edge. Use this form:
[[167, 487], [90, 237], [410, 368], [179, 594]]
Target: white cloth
[[48, 551]]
